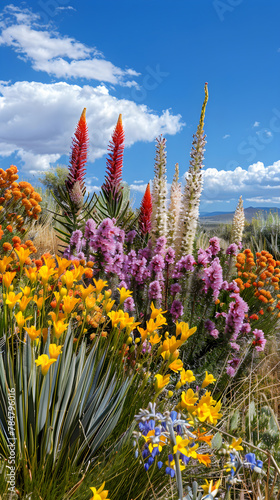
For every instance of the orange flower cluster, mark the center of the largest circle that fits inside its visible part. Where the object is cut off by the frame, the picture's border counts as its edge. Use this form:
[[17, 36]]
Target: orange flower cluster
[[263, 275], [16, 245], [19, 200]]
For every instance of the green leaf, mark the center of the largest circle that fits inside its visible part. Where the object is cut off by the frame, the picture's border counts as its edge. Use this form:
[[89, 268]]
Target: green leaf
[[217, 441], [234, 421]]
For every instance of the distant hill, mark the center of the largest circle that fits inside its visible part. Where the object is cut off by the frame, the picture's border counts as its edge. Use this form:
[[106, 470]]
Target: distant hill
[[226, 217]]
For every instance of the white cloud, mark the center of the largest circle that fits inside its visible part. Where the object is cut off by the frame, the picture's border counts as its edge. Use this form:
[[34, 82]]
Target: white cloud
[[139, 188], [37, 120], [138, 182], [57, 55], [256, 124], [69, 7], [226, 136], [260, 199], [229, 184]]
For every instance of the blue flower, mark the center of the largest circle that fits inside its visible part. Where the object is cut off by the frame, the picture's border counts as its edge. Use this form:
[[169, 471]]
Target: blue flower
[[173, 415], [170, 471], [160, 464], [255, 465]]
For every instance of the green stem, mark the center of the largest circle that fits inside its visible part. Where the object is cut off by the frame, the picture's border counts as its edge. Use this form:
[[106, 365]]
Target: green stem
[[177, 463]]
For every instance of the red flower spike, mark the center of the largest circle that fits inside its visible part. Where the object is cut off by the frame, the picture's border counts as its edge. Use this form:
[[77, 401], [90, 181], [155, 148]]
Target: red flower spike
[[78, 158], [114, 163], [146, 212]]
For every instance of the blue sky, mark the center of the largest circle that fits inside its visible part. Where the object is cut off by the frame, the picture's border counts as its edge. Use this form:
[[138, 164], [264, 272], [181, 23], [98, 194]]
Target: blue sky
[[147, 60]]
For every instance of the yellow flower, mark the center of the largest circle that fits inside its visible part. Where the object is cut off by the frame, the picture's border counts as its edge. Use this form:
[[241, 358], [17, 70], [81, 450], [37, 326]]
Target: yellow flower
[[23, 254], [12, 299], [85, 292], [181, 445], [62, 265], [45, 362], [39, 301], [236, 444], [156, 312], [8, 278], [204, 459], [32, 274], [32, 332], [4, 262], [210, 488], [187, 376], [183, 329], [23, 303], [26, 291], [214, 413], [21, 320], [54, 350], [124, 294], [69, 303], [161, 381], [188, 399], [209, 379], [176, 365], [45, 273], [99, 285], [90, 302], [59, 327], [68, 279], [109, 305], [100, 494], [154, 339]]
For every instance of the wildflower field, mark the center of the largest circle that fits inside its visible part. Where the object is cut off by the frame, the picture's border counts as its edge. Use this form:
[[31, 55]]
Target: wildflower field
[[138, 353]]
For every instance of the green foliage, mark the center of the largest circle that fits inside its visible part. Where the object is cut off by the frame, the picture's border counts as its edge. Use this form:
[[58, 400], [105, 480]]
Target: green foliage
[[66, 415], [54, 178]]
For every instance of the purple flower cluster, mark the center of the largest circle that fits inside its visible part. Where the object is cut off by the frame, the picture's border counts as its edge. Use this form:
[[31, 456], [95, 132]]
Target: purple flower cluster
[[259, 341], [213, 277], [236, 315]]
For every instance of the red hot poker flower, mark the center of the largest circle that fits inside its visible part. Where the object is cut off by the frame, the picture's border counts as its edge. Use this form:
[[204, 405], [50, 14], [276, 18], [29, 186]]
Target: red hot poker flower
[[78, 157], [112, 184], [146, 212]]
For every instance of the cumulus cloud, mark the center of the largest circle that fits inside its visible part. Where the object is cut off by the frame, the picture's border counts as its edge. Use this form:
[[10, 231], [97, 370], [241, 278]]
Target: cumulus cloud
[[139, 188], [223, 185], [57, 55], [37, 122], [256, 124]]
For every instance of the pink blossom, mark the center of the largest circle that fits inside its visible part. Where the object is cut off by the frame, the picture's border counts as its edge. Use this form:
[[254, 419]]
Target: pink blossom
[[259, 341]]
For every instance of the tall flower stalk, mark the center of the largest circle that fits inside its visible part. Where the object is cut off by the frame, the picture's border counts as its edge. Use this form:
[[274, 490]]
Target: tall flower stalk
[[75, 180], [238, 223], [159, 193], [193, 187], [146, 209], [112, 184], [173, 216]]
